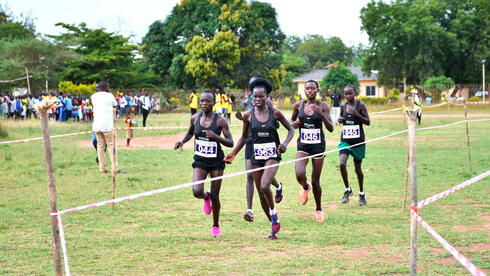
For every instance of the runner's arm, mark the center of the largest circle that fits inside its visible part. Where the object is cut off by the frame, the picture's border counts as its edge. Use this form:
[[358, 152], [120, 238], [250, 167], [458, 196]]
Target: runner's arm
[[325, 114], [227, 140], [363, 115], [188, 135]]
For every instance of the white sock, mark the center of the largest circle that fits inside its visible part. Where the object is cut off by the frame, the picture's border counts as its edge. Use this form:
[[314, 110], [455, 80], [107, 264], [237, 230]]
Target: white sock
[[279, 187], [348, 189], [250, 210], [272, 211], [361, 193]]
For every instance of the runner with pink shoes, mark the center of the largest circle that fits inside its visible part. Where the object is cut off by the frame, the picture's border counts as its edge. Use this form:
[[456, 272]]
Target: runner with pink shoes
[[206, 127], [262, 120]]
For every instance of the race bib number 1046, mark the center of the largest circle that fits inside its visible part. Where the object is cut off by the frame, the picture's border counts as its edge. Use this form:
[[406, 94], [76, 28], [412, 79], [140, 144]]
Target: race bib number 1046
[[265, 151]]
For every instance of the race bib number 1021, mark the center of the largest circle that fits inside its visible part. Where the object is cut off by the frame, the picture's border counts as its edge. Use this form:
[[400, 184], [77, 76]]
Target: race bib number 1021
[[351, 132], [265, 151], [206, 149]]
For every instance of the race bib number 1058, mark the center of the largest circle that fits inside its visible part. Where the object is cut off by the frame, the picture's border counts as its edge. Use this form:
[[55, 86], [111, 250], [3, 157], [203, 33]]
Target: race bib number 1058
[[265, 151], [206, 149], [351, 132]]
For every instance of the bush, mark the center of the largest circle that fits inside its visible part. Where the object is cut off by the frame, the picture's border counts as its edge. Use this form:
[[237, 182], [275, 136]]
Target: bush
[[174, 101], [373, 100], [3, 131], [394, 94], [474, 99]]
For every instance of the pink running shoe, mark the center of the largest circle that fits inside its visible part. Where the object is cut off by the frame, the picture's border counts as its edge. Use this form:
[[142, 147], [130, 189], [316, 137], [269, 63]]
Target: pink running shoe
[[272, 236], [207, 204], [215, 232]]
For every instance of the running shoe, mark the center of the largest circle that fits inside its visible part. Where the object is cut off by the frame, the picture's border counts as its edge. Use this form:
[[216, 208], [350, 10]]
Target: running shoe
[[319, 216], [276, 225], [249, 216], [303, 197], [347, 193], [272, 236], [362, 200], [207, 204], [279, 194], [215, 232]]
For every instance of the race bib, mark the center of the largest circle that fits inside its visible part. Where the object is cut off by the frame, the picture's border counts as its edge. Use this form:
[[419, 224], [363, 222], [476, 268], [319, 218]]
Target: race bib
[[310, 136], [265, 151], [351, 132], [206, 149]]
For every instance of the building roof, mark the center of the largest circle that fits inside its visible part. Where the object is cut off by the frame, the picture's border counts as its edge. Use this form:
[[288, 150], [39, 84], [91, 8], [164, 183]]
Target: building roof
[[317, 75]]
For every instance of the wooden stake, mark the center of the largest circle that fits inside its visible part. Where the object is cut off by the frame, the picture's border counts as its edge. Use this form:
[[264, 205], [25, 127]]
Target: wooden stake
[[412, 115], [28, 84], [406, 180], [467, 135], [53, 202]]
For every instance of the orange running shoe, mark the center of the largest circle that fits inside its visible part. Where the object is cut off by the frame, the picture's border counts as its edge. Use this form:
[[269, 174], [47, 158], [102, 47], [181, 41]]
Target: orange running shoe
[[319, 216], [303, 197]]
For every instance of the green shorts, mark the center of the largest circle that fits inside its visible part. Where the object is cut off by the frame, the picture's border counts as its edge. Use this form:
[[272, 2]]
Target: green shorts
[[358, 152]]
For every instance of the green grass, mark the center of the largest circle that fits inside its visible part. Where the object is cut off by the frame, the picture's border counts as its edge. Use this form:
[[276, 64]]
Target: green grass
[[169, 234]]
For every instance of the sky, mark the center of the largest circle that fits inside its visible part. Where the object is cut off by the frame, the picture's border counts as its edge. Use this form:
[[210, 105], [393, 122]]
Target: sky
[[128, 17]]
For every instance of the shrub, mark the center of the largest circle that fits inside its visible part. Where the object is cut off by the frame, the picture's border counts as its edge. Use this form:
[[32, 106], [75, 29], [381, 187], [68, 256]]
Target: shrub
[[394, 94], [373, 100], [474, 99], [174, 100]]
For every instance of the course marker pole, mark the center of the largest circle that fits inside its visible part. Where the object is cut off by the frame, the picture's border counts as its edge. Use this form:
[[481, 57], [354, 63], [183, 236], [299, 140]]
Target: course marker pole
[[53, 202], [63, 246], [412, 115]]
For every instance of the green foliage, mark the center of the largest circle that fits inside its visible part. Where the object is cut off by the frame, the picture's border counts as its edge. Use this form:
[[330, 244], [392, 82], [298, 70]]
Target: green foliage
[[474, 99], [437, 85], [101, 55], [373, 100], [394, 94], [339, 76], [321, 52], [417, 39], [166, 45], [80, 89], [211, 62]]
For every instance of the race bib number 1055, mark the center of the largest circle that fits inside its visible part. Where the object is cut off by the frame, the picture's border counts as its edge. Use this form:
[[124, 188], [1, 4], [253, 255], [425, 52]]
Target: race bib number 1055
[[265, 151], [206, 149], [351, 132]]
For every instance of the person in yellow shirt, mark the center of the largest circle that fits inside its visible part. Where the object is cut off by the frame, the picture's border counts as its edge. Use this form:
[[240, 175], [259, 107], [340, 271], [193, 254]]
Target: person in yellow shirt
[[193, 102], [229, 108], [224, 104], [218, 105]]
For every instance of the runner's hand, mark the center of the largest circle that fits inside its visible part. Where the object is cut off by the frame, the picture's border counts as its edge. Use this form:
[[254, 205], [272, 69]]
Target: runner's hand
[[229, 158], [211, 135], [351, 110], [316, 109], [239, 115], [341, 119], [296, 124], [178, 145], [281, 149]]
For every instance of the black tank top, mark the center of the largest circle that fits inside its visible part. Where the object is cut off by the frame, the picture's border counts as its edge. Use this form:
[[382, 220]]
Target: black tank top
[[264, 137], [352, 130], [310, 129], [206, 150]]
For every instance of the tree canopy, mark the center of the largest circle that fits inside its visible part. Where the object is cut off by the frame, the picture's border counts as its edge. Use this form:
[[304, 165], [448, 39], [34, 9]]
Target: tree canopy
[[415, 39], [339, 76], [249, 32]]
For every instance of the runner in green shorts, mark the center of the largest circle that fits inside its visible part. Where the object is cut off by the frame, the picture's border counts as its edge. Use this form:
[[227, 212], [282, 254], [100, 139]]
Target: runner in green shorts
[[353, 115]]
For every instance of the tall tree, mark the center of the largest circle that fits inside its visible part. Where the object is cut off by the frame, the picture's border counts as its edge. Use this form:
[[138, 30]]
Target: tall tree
[[101, 55], [415, 39], [339, 76], [254, 25], [321, 52]]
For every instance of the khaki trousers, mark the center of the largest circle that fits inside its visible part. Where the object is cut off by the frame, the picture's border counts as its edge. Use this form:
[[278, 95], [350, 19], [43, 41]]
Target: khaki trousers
[[102, 138]]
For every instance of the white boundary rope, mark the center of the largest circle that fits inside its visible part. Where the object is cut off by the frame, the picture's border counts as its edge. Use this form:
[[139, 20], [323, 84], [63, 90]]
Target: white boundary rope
[[385, 111], [87, 132], [462, 259], [452, 190], [63, 246], [188, 184]]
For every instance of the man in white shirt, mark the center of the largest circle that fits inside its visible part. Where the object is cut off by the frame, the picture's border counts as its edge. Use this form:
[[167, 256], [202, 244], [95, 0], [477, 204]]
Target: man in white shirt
[[103, 104], [145, 105]]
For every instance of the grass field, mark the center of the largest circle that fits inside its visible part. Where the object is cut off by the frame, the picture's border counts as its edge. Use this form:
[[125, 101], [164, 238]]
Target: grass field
[[169, 234]]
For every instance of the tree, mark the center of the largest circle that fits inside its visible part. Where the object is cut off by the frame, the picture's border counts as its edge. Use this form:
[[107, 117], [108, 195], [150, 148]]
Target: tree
[[321, 52], [339, 76], [254, 25], [101, 55], [414, 39], [437, 85]]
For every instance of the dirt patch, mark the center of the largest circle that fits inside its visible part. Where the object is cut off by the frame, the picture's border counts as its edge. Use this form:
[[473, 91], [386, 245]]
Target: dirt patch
[[168, 142]]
